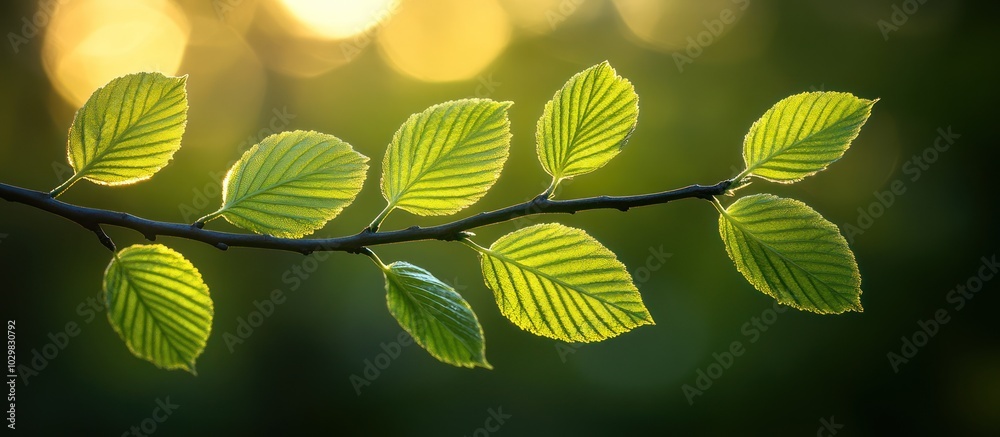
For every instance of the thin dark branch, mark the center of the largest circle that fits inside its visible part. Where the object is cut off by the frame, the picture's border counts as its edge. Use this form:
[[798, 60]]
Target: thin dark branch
[[92, 219]]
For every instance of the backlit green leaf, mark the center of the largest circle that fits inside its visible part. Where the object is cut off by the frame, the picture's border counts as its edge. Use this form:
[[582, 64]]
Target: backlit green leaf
[[559, 282], [128, 130], [447, 157], [437, 317], [587, 122], [291, 184], [791, 253], [158, 303], [802, 134]]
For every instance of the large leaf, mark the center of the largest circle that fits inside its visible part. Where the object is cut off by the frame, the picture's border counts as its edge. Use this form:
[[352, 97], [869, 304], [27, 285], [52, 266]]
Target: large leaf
[[437, 317], [128, 129], [559, 282], [791, 253], [158, 304], [587, 122], [446, 158], [292, 183], [802, 134]]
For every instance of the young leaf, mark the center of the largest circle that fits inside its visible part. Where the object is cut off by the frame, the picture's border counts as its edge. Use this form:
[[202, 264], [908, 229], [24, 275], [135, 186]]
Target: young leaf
[[128, 130], [559, 282], [158, 303], [802, 134], [586, 123], [291, 184], [791, 253], [437, 317], [446, 158]]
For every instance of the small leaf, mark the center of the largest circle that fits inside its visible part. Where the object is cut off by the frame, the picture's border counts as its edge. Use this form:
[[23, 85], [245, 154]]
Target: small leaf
[[791, 253], [128, 130], [159, 305], [559, 282], [587, 122], [802, 134], [437, 317], [291, 184], [446, 158]]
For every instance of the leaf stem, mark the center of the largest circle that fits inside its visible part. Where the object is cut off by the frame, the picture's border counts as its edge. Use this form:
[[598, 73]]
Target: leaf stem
[[547, 194], [373, 227], [718, 206], [468, 242], [372, 256], [64, 186], [207, 218]]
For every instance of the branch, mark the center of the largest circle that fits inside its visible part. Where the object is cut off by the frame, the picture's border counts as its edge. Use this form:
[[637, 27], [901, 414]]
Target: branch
[[92, 219]]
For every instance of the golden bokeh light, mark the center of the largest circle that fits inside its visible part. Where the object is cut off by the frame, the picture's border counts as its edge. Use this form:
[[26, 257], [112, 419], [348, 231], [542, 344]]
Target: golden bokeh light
[[337, 19], [671, 25], [90, 42], [445, 40]]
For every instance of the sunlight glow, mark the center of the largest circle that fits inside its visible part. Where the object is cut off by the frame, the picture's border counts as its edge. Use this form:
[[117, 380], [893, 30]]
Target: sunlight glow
[[338, 19], [445, 40], [90, 42]]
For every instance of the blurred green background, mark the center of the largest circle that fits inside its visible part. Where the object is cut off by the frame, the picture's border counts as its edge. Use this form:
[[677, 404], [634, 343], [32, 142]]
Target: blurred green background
[[358, 69]]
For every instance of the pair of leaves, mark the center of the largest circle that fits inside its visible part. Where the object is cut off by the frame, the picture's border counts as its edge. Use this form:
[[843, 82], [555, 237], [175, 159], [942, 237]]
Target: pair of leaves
[[783, 247], [548, 279], [447, 157], [156, 300], [288, 185]]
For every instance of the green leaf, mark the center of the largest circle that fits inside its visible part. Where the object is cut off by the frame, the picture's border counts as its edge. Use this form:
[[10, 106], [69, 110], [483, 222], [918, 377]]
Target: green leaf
[[559, 282], [435, 315], [128, 130], [447, 157], [586, 123], [158, 303], [791, 253], [803, 134], [291, 184]]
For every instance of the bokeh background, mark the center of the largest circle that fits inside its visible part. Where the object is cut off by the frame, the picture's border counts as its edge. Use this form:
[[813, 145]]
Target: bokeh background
[[357, 69]]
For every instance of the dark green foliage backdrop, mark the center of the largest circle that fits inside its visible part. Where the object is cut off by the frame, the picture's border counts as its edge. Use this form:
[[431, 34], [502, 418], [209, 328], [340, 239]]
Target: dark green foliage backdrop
[[294, 371]]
